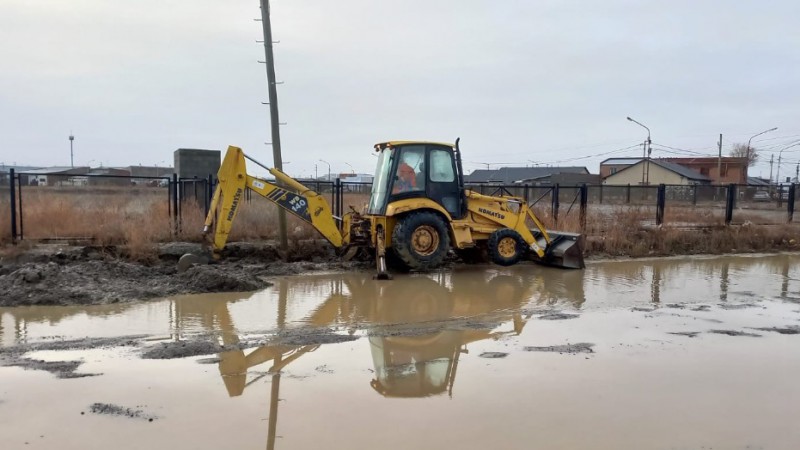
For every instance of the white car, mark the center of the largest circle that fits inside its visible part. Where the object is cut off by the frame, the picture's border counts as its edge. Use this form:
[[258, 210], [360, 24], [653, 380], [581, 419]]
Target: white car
[[761, 196]]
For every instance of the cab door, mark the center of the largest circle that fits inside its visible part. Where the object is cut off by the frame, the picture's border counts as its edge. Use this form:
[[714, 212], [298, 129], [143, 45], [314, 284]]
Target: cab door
[[442, 181]]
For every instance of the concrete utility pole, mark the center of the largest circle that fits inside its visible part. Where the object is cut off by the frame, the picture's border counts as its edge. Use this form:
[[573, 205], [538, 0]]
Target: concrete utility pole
[[71, 157], [771, 159], [719, 160], [646, 154], [273, 111]]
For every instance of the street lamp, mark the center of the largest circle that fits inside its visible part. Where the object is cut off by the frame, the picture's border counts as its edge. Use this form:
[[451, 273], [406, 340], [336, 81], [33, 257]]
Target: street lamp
[[329, 168], [645, 153], [751, 138], [780, 153], [351, 168], [71, 159]]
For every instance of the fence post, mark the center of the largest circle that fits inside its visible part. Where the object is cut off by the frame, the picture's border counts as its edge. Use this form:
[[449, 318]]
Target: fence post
[[661, 200], [729, 202], [526, 194], [194, 188], [209, 193], [790, 206], [600, 186], [694, 195], [13, 186], [21, 223], [175, 213], [341, 198], [554, 205], [336, 196], [628, 194], [584, 201]]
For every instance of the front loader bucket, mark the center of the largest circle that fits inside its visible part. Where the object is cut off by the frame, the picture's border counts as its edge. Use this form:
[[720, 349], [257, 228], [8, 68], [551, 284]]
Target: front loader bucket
[[565, 249]]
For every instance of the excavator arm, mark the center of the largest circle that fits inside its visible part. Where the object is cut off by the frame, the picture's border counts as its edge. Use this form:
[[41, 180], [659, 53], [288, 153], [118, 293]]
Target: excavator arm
[[290, 195]]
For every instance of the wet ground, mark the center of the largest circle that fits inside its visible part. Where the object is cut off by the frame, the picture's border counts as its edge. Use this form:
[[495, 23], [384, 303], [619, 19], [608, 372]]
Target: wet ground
[[683, 353]]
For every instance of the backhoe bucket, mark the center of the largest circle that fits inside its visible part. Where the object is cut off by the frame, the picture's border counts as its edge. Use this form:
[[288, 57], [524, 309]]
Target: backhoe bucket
[[565, 249]]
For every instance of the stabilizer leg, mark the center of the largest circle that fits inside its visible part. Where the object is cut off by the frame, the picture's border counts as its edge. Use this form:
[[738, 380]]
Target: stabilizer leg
[[380, 258]]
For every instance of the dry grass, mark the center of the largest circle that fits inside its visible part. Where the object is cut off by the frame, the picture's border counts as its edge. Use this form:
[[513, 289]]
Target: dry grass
[[5, 219], [138, 218], [631, 231]]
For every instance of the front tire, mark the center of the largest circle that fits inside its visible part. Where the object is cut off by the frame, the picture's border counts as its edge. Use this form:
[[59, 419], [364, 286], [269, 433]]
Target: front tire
[[506, 247], [420, 240]]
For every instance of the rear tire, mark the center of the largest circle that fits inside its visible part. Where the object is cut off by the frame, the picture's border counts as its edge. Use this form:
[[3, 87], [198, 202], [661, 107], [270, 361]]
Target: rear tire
[[420, 240], [506, 247]]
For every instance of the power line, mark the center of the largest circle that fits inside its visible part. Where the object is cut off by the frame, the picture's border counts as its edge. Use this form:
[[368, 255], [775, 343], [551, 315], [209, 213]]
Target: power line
[[682, 150], [592, 156]]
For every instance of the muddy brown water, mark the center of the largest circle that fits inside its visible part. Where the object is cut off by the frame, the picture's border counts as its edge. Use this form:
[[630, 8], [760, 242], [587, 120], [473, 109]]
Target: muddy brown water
[[682, 353]]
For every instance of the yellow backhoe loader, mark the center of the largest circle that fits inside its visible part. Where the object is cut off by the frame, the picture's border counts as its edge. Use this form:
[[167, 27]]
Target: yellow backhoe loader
[[418, 210]]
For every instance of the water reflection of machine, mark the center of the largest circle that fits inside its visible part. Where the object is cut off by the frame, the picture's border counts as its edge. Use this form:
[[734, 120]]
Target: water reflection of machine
[[417, 327]]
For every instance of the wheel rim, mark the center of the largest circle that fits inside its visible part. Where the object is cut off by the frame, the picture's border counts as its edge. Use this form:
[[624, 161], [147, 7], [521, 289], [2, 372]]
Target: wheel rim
[[425, 240], [507, 247]]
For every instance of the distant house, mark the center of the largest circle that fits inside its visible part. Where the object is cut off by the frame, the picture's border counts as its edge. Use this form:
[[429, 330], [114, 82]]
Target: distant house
[[755, 181], [147, 172], [356, 178], [108, 176], [614, 165], [55, 176], [6, 169], [731, 170], [356, 182], [564, 179], [719, 170], [523, 175], [656, 171], [150, 171]]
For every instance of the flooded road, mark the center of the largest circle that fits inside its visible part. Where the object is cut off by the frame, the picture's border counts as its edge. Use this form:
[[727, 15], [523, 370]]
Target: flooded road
[[683, 353]]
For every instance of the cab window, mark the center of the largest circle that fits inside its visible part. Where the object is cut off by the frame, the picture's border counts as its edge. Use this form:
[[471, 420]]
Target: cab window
[[410, 175], [442, 166]]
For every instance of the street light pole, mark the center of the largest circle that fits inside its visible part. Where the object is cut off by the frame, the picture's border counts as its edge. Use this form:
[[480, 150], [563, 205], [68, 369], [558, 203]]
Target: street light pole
[[645, 154], [780, 153], [329, 168], [351, 168], [71, 158], [750, 140]]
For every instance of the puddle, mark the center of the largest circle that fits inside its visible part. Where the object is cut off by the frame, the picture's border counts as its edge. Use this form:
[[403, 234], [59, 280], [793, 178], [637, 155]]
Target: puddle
[[619, 356]]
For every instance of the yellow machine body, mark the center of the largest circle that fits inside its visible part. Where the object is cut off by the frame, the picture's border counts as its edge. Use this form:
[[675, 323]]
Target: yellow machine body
[[293, 196], [477, 223]]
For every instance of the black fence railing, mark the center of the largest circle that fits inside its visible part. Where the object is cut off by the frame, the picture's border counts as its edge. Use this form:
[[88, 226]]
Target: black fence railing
[[30, 199]]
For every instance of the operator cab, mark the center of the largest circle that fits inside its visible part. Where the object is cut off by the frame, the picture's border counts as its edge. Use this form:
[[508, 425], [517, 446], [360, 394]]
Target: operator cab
[[408, 170]]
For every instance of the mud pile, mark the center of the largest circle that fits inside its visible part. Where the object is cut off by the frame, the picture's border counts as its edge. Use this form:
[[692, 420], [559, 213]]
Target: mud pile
[[86, 275]]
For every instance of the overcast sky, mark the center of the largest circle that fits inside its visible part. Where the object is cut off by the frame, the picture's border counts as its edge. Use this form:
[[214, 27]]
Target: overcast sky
[[542, 81]]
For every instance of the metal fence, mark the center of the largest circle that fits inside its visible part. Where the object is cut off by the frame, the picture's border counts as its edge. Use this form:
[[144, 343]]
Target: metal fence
[[77, 207], [686, 204]]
